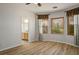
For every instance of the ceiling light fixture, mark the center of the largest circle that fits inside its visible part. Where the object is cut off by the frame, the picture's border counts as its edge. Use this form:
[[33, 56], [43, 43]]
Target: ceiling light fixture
[[39, 4], [54, 7]]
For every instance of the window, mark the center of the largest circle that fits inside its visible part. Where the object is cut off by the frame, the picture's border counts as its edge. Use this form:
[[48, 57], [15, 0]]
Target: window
[[73, 23], [70, 25], [43, 26], [57, 25], [71, 18]]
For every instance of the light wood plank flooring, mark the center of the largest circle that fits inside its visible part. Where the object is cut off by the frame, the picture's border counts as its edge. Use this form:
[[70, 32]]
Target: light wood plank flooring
[[42, 48]]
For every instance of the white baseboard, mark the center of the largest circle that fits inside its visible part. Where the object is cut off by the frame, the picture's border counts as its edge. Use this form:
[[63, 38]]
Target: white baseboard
[[10, 47]]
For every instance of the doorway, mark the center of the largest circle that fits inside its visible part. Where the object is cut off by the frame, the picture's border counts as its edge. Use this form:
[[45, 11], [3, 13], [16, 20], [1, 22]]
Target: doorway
[[25, 29]]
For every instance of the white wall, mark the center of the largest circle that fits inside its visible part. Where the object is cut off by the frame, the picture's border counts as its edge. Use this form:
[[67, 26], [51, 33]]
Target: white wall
[[58, 37], [10, 25]]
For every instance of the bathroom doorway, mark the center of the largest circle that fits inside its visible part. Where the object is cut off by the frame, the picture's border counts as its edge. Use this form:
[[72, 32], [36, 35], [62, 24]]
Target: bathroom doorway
[[25, 29]]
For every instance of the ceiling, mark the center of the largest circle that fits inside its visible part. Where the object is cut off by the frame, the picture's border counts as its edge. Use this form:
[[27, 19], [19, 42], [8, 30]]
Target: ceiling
[[47, 7]]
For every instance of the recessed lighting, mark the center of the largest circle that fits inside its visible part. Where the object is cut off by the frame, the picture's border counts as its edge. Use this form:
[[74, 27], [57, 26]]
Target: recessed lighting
[[54, 7]]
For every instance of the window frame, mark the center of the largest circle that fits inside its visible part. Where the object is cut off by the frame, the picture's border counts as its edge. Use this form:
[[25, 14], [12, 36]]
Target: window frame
[[52, 26]]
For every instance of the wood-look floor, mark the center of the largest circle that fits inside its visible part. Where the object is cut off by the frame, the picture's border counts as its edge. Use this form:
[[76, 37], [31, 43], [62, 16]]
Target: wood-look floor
[[42, 48]]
